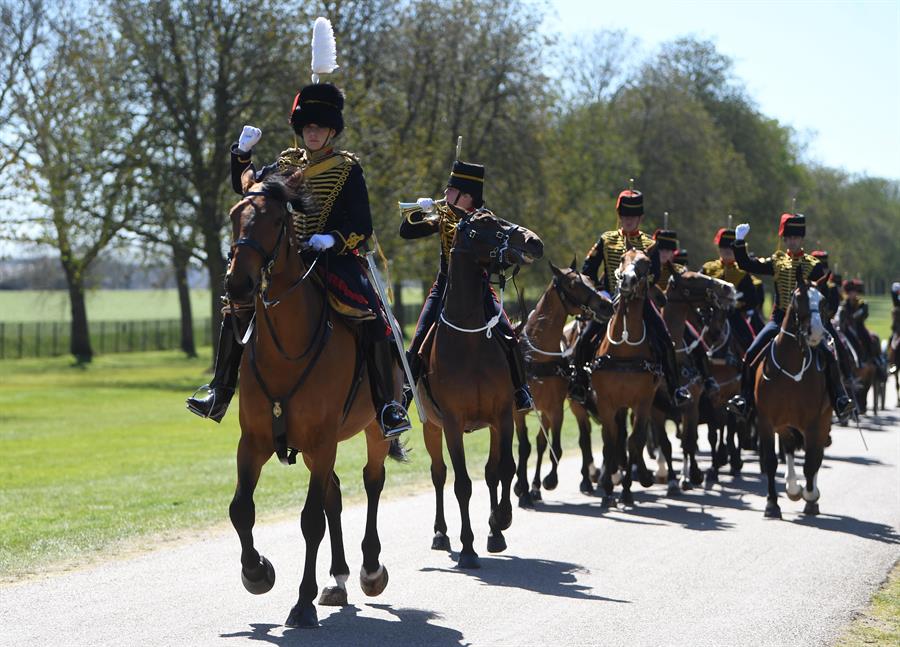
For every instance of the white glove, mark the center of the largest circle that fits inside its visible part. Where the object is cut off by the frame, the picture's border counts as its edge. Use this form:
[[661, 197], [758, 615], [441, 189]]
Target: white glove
[[895, 288], [604, 293], [248, 139], [425, 204], [741, 231], [321, 242]]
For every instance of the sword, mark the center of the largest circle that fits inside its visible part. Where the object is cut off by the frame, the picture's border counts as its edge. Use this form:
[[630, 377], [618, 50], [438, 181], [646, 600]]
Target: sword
[[375, 278]]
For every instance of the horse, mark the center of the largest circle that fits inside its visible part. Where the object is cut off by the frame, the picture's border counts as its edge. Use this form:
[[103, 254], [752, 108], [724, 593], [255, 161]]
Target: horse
[[465, 383], [792, 399], [861, 347], [892, 351], [304, 389], [624, 376], [569, 293], [685, 293]]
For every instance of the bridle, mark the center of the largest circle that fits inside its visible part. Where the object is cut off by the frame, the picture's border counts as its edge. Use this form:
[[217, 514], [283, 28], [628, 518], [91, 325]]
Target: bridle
[[567, 301]]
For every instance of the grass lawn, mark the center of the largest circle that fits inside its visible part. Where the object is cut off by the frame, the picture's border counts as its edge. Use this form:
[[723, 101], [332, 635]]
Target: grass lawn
[[98, 458], [879, 623]]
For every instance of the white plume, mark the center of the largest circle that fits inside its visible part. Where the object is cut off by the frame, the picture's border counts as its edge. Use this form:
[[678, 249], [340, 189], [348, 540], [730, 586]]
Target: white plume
[[324, 49]]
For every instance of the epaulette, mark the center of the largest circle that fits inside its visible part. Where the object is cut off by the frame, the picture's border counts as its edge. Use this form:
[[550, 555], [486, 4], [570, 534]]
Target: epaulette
[[353, 158], [291, 157], [709, 265], [607, 235]]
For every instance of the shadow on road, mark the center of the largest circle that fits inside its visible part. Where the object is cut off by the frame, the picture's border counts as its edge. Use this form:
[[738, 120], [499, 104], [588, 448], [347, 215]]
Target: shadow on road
[[852, 526], [347, 627], [544, 576]]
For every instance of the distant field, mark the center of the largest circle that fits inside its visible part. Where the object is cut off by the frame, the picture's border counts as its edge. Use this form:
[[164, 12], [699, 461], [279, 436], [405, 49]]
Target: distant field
[[102, 305]]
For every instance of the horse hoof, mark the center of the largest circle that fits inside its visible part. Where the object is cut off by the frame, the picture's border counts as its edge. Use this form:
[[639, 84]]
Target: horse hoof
[[608, 502], [303, 617], [551, 481], [536, 494], [645, 478], [440, 542], [673, 489], [375, 583], [695, 475], [772, 511], [525, 502], [811, 508], [627, 499], [468, 560], [736, 469], [586, 487], [686, 485], [496, 543], [260, 579], [518, 488], [711, 479], [333, 596], [794, 495]]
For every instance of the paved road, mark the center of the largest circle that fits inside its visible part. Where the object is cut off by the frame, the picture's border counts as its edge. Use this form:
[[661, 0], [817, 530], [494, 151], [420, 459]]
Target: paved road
[[703, 569]]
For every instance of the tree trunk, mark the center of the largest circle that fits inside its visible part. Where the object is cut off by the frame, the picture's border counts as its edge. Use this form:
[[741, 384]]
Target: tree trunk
[[179, 258], [80, 343], [215, 265]]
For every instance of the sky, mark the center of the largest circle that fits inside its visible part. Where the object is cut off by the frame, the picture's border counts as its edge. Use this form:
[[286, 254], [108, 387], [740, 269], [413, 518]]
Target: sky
[[830, 70]]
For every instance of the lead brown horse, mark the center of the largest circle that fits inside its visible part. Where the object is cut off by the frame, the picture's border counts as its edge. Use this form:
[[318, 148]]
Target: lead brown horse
[[570, 293], [466, 383], [303, 389], [792, 398]]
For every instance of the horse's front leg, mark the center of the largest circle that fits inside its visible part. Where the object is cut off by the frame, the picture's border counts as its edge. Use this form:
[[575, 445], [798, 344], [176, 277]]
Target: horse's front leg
[[335, 595], [622, 445], [553, 421], [373, 576], [320, 462], [434, 444], [462, 487], [610, 466], [691, 474], [811, 465], [499, 469], [713, 430], [521, 488], [769, 464], [588, 469], [541, 442], [636, 443], [257, 572]]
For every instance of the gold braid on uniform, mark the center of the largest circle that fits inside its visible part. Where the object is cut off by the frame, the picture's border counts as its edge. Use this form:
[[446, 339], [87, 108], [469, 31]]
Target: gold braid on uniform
[[325, 178], [785, 267], [615, 244]]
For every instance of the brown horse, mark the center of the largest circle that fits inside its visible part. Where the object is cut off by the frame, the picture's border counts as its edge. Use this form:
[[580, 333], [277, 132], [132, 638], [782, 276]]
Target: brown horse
[[467, 383], [624, 376], [792, 399], [893, 351], [300, 392], [569, 294], [861, 347]]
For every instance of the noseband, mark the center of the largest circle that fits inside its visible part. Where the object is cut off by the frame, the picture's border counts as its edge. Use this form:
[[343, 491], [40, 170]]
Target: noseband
[[268, 257], [586, 310]]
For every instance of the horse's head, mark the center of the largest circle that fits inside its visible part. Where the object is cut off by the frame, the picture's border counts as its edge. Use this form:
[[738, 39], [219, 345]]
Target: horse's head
[[633, 274], [261, 231], [579, 296], [806, 311], [496, 243]]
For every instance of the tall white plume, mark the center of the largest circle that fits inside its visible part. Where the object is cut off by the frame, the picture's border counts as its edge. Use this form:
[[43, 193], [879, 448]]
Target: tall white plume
[[324, 49]]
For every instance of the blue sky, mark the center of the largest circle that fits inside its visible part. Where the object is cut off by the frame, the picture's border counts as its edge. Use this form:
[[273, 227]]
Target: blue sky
[[831, 70]]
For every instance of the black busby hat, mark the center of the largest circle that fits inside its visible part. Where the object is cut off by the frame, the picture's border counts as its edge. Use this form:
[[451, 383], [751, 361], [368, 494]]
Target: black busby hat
[[630, 203], [666, 239], [792, 224], [724, 237], [320, 104], [820, 255], [468, 178]]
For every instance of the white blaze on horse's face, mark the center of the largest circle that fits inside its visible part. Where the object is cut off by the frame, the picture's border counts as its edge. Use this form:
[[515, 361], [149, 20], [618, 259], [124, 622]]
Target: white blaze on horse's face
[[628, 279], [816, 327]]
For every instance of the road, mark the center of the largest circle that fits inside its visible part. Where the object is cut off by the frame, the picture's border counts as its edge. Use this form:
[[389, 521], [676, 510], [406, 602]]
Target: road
[[701, 569]]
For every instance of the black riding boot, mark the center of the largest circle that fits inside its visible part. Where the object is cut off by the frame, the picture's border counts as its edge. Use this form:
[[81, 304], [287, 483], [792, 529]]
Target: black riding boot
[[840, 401], [391, 414], [228, 361], [741, 405], [666, 353], [521, 393], [710, 386], [415, 368], [580, 385]]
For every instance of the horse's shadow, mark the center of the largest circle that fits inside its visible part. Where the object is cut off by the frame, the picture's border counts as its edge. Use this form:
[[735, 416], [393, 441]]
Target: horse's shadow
[[347, 627], [544, 576], [850, 525]]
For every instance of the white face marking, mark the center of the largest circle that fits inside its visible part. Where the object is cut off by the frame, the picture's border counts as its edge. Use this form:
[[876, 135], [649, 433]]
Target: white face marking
[[817, 328]]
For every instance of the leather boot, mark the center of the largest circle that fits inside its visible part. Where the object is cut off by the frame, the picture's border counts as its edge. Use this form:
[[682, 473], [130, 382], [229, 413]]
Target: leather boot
[[840, 401], [741, 405], [580, 384], [679, 394], [710, 386], [521, 394], [391, 414], [228, 361], [415, 368]]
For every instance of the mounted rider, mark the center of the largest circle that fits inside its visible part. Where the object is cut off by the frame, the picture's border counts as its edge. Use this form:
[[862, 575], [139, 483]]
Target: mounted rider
[[783, 266], [855, 310], [831, 288], [336, 231], [463, 198], [726, 269], [607, 253]]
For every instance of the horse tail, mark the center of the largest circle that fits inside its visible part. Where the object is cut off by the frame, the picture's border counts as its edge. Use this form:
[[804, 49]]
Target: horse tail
[[398, 450]]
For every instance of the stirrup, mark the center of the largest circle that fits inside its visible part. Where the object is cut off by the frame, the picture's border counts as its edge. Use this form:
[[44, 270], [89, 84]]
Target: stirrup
[[681, 396], [524, 401], [844, 408], [578, 392], [739, 406], [401, 422], [213, 406], [710, 386]]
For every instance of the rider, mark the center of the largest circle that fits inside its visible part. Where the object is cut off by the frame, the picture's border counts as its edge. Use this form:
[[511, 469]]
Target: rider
[[831, 289], [725, 268], [782, 266], [858, 311], [462, 199], [608, 251], [340, 225], [669, 263]]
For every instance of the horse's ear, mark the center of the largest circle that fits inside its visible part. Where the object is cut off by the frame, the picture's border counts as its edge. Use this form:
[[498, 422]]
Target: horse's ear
[[248, 179], [574, 260], [556, 271]]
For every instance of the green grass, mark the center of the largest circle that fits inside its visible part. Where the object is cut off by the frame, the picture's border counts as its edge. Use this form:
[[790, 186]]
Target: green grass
[[879, 623], [97, 457], [102, 305]]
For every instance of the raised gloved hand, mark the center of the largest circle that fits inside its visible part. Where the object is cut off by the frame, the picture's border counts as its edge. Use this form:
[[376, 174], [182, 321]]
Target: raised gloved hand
[[425, 204], [248, 139], [895, 287], [321, 242], [741, 231]]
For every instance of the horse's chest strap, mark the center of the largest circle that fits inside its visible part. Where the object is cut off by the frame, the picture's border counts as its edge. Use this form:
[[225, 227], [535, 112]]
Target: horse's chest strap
[[626, 365]]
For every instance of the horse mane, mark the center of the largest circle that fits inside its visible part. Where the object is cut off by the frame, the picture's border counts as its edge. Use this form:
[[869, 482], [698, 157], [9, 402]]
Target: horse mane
[[291, 188]]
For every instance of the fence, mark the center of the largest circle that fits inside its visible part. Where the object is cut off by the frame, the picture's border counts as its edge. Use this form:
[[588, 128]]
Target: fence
[[51, 338]]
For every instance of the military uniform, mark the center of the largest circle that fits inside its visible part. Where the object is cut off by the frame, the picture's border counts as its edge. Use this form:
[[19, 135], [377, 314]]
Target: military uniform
[[607, 253], [443, 220], [783, 267], [748, 295], [338, 187]]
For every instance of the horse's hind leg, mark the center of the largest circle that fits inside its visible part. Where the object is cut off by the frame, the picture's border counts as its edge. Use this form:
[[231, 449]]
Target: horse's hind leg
[[336, 594], [636, 443], [373, 577], [521, 487], [320, 462], [257, 572], [434, 444], [553, 421], [588, 469], [541, 441], [462, 487]]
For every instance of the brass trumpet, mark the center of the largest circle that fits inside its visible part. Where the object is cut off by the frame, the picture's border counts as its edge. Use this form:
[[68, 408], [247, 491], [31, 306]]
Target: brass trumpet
[[407, 209]]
